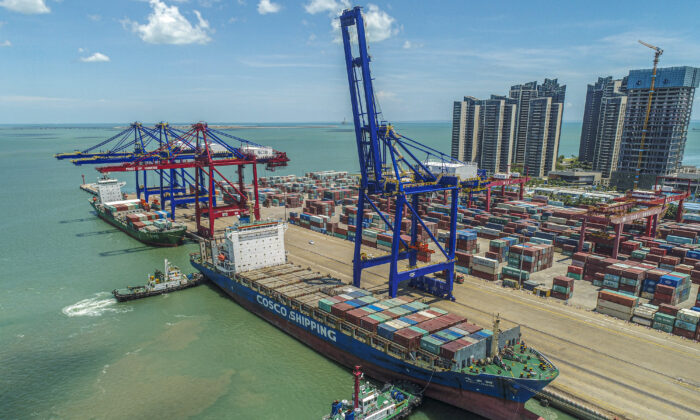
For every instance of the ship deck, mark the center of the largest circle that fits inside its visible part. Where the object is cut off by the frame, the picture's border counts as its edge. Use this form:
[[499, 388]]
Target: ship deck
[[305, 286]]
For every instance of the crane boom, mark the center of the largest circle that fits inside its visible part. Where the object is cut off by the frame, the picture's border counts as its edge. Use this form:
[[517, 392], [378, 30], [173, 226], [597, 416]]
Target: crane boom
[[657, 54]]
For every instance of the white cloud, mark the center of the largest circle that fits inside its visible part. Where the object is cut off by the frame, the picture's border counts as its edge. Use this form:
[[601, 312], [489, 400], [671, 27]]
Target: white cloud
[[330, 6], [267, 6], [166, 25], [408, 45], [379, 24], [95, 18], [29, 7], [81, 50], [5, 43], [386, 95], [95, 58]]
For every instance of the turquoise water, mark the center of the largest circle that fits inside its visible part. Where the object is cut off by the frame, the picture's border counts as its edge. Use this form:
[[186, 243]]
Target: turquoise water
[[67, 350]]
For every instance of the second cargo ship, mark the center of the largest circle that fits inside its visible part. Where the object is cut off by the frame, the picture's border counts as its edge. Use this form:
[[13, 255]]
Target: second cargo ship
[[488, 372], [130, 216]]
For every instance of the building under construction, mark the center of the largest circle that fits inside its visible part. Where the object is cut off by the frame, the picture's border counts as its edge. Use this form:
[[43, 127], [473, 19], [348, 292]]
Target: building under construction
[[667, 128]]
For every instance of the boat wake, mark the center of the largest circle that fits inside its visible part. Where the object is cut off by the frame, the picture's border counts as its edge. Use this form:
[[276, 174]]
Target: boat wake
[[95, 306]]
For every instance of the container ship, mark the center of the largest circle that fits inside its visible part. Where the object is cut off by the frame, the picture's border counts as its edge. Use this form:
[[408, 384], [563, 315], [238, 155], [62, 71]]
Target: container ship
[[134, 217], [491, 373]]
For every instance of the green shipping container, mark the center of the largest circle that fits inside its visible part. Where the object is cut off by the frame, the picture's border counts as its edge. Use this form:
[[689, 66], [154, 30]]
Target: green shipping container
[[662, 327], [662, 318], [420, 330], [325, 305], [431, 344]]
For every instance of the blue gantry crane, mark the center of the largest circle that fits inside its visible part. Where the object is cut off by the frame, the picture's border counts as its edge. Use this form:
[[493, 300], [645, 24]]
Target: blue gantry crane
[[390, 167]]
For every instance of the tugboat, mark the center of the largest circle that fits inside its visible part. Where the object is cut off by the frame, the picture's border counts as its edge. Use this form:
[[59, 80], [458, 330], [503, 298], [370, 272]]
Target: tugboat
[[169, 280], [369, 402]]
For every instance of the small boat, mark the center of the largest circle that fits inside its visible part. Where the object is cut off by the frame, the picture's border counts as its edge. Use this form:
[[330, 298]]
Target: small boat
[[169, 280], [369, 402]]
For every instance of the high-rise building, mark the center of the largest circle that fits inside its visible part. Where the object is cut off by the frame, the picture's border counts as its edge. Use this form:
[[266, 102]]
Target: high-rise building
[[483, 132], [465, 129], [601, 131], [591, 116], [609, 134], [543, 132], [667, 129], [524, 94], [494, 132]]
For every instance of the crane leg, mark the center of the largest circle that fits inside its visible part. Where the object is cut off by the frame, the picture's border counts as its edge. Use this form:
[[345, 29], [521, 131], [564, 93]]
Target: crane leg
[[394, 268], [357, 262]]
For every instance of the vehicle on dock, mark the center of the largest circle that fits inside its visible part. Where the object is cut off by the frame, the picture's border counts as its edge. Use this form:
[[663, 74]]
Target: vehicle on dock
[[488, 372], [135, 216], [168, 280], [370, 402]]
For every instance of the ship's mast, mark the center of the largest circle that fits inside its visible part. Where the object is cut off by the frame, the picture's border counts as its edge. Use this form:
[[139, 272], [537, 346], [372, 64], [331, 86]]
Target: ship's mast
[[357, 374], [494, 339]]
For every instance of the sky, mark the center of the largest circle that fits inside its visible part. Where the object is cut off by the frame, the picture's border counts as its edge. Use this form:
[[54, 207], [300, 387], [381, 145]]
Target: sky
[[116, 61]]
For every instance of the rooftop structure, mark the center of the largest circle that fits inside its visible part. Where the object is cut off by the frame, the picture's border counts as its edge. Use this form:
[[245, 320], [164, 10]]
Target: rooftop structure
[[577, 178]]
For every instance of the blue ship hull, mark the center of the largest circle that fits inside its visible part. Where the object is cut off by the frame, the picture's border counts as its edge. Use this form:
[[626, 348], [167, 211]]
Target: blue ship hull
[[487, 395]]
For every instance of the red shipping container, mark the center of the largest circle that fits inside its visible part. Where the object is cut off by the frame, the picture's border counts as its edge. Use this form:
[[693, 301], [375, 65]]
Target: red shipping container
[[417, 317], [616, 298], [408, 338], [355, 316], [448, 350], [575, 270], [668, 309], [470, 328], [684, 333], [662, 289], [339, 309], [370, 324]]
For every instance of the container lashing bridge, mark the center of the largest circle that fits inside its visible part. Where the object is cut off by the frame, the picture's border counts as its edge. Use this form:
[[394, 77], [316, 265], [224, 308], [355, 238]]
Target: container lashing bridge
[[390, 167], [203, 150]]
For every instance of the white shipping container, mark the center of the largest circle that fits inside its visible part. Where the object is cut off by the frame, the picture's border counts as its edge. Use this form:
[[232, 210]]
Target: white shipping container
[[642, 321], [615, 306], [488, 262], [617, 314], [688, 315], [426, 314]]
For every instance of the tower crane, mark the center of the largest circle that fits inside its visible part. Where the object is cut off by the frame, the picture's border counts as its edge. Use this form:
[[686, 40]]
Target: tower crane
[[390, 167], [657, 53]]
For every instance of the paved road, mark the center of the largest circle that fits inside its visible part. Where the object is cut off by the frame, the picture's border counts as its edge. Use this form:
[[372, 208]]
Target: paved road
[[623, 368]]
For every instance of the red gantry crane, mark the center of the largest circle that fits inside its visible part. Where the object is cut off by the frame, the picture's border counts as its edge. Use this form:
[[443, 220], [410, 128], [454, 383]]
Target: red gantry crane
[[634, 206]]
